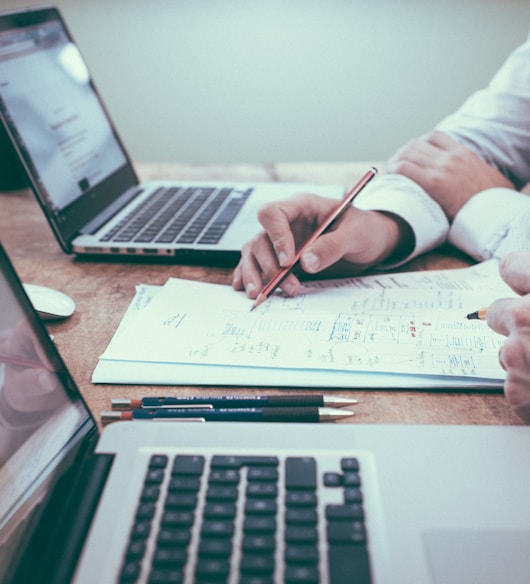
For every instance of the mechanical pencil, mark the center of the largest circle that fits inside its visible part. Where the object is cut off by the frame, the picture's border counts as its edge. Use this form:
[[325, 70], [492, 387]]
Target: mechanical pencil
[[306, 400], [231, 414]]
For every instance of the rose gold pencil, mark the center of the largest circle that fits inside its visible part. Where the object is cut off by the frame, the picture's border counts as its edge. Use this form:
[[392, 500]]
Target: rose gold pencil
[[280, 276]]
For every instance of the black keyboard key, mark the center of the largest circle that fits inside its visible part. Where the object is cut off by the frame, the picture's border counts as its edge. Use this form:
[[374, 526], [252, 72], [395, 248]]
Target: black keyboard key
[[351, 479], [302, 574], [258, 544], [130, 571], [301, 499], [161, 576], [240, 461], [349, 464], [300, 473], [180, 500], [346, 561], [145, 511], [260, 507], [141, 530], [215, 547], [265, 474], [259, 524], [220, 510], [158, 461], [188, 465], [154, 476], [262, 490], [353, 495], [301, 554], [346, 532], [212, 569], [256, 579], [173, 537], [352, 512], [177, 518], [258, 564], [221, 493], [170, 557], [224, 477], [301, 515], [135, 549], [189, 484], [332, 479], [213, 528], [301, 534]]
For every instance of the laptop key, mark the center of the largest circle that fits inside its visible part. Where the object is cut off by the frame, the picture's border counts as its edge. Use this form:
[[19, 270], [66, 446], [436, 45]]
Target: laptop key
[[300, 473], [348, 564]]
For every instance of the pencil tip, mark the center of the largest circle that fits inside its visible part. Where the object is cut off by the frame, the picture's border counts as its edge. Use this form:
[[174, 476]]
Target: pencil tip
[[473, 315], [259, 300]]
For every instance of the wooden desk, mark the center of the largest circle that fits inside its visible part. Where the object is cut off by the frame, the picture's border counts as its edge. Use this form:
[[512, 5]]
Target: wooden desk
[[102, 291]]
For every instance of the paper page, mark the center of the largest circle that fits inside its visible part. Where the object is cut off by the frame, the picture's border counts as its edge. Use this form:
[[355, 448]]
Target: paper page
[[410, 323]]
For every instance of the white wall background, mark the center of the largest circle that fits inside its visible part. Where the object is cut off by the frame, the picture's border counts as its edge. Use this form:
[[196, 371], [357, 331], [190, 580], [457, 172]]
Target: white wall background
[[286, 80]]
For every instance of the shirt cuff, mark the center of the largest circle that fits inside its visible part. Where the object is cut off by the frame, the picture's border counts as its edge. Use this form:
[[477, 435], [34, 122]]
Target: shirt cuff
[[400, 196], [483, 223]]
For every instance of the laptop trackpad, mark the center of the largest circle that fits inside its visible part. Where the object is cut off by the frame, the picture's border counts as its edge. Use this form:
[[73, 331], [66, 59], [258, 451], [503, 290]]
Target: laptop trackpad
[[485, 557]]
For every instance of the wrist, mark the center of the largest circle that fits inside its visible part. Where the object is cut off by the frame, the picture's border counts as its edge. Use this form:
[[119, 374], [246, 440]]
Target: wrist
[[398, 240]]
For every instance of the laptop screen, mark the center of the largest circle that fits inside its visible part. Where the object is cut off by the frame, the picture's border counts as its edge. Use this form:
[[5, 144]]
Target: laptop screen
[[41, 412], [56, 118], [47, 94]]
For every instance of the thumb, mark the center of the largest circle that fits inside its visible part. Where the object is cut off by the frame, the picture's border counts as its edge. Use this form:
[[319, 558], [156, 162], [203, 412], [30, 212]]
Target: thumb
[[514, 269]]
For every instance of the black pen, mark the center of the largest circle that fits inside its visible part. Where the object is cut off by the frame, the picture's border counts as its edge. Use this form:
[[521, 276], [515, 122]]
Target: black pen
[[231, 414], [305, 400]]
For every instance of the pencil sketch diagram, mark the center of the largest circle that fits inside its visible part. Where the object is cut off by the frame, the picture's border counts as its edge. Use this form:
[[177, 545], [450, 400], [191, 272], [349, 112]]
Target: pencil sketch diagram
[[401, 323]]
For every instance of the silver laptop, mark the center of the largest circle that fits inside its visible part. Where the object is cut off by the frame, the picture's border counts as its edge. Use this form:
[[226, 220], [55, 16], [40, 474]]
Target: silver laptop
[[240, 502], [81, 173]]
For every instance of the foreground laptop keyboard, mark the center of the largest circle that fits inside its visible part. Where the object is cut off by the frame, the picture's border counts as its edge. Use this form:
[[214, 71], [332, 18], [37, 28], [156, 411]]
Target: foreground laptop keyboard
[[180, 215], [248, 519]]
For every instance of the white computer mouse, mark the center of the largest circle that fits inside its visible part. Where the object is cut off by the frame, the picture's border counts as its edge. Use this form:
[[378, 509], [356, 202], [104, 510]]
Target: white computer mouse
[[49, 303]]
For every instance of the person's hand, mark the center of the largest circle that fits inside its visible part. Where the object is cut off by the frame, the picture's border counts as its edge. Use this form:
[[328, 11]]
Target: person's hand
[[511, 317], [359, 240], [449, 172]]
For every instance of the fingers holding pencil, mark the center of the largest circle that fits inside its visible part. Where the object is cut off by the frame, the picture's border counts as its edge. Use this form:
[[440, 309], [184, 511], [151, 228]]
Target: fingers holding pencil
[[296, 231]]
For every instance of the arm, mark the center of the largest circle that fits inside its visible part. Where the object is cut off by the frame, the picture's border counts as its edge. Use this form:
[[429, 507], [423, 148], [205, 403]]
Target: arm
[[511, 317], [476, 159]]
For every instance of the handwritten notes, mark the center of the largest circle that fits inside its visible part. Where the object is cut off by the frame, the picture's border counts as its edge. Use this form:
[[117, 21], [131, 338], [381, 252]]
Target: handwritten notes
[[406, 324]]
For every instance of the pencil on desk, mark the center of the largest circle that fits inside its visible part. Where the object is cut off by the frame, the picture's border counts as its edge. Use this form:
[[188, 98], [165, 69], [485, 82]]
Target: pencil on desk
[[280, 276], [302, 414], [293, 400], [479, 314]]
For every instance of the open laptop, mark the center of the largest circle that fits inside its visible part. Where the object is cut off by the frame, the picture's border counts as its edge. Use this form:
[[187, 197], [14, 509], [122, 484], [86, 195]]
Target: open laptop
[[242, 502], [81, 173]]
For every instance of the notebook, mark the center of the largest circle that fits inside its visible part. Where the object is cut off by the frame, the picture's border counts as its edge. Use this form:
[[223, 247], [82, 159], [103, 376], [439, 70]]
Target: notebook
[[81, 173], [242, 502]]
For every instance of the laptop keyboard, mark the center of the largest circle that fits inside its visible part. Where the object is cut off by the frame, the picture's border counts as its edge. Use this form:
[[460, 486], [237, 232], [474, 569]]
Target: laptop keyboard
[[248, 519], [180, 215]]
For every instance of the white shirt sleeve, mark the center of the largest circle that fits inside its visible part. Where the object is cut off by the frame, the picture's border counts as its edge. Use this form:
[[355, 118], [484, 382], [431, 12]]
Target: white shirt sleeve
[[400, 196], [492, 223], [495, 122]]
